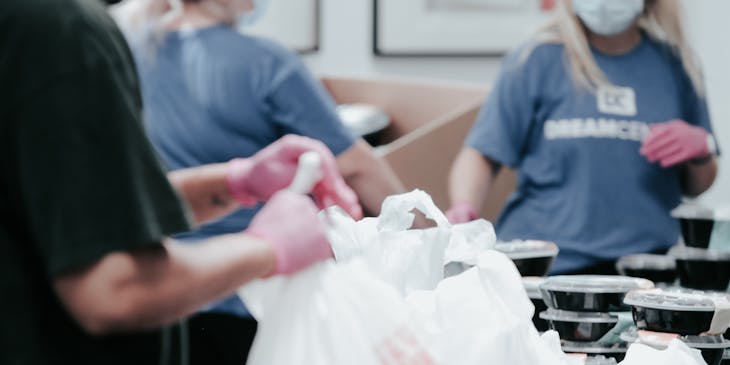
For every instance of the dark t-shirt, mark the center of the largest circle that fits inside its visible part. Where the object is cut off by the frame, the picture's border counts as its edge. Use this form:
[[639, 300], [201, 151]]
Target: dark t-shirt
[[79, 179]]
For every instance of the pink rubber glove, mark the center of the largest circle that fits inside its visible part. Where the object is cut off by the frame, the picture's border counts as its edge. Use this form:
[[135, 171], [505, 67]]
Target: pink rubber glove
[[674, 142], [462, 213], [256, 179], [289, 223]]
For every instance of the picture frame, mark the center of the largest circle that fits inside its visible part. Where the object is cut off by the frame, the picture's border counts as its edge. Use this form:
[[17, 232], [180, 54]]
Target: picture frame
[[455, 28], [294, 24]]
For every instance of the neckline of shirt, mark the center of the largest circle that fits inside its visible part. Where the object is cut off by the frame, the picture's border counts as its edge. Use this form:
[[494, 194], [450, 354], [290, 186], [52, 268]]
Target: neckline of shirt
[[636, 49], [193, 32]]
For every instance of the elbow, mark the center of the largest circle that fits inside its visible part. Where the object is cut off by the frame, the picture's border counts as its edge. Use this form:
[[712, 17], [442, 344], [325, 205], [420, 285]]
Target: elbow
[[106, 317]]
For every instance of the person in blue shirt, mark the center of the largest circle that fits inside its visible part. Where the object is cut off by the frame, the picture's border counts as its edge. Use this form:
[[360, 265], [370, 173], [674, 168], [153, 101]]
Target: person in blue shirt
[[213, 94], [604, 118]]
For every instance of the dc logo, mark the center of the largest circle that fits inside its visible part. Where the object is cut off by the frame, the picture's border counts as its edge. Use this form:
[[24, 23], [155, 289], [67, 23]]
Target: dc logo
[[617, 100]]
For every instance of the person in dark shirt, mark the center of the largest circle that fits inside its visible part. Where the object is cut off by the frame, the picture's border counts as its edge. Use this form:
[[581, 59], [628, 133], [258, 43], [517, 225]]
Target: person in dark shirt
[[87, 273]]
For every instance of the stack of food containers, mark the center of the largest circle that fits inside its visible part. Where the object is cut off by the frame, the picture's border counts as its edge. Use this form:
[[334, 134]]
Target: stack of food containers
[[698, 266], [697, 318], [586, 311], [533, 260]]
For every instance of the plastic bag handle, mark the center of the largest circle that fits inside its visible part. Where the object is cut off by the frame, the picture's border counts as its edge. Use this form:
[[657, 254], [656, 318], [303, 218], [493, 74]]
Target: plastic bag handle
[[721, 318], [396, 213], [308, 173]]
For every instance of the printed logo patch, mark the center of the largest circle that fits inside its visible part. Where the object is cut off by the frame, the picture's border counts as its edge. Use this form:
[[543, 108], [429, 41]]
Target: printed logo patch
[[617, 100]]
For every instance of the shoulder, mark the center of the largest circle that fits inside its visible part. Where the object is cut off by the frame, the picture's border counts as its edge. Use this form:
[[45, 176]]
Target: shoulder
[[51, 38], [531, 63], [249, 48], [534, 54]]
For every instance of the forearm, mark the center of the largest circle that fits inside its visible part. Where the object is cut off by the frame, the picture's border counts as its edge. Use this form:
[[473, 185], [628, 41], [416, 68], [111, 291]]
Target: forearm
[[470, 179], [148, 289], [369, 176], [698, 177], [205, 190]]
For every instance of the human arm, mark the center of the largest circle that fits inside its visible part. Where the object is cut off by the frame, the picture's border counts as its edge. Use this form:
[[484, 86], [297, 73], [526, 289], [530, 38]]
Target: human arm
[[470, 179], [368, 175], [214, 190], [151, 287], [699, 176]]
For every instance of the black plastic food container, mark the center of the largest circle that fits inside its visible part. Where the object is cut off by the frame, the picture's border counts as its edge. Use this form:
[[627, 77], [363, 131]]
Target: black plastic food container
[[617, 351], [725, 358], [702, 269], [590, 293], [579, 326], [696, 232], [532, 258], [657, 268], [697, 223], [674, 311], [532, 287]]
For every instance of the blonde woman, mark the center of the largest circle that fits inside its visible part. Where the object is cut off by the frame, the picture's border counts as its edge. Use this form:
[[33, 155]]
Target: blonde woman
[[603, 115]]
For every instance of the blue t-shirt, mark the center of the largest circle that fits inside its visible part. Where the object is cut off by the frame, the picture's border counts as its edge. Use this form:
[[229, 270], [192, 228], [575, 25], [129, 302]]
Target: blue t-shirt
[[582, 182], [213, 94]]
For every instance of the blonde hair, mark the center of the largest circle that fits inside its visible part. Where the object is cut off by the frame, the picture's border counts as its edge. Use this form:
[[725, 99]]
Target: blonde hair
[[661, 20]]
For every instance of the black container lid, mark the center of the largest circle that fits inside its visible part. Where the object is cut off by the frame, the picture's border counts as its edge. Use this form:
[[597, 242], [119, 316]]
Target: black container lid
[[661, 340], [581, 317], [646, 261], [532, 286], [595, 284], [530, 249], [673, 300]]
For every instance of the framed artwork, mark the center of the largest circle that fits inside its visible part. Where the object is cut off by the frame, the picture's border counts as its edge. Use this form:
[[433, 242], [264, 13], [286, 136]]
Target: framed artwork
[[293, 23], [455, 27]]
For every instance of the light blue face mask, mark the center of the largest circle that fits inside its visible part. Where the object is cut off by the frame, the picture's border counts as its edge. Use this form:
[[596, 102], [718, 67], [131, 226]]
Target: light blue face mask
[[250, 18], [608, 17]]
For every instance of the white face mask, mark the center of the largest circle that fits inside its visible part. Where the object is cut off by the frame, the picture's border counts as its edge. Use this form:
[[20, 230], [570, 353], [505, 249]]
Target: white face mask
[[251, 17], [608, 17]]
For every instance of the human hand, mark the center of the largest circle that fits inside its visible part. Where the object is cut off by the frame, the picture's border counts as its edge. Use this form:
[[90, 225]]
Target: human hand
[[272, 169], [462, 213], [674, 142], [290, 224]]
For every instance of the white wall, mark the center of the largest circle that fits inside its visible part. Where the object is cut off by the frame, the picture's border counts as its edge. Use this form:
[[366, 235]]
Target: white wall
[[346, 50], [709, 25]]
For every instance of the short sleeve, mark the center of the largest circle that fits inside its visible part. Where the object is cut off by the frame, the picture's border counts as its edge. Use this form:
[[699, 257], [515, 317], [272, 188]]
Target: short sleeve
[[88, 181], [299, 104], [503, 123]]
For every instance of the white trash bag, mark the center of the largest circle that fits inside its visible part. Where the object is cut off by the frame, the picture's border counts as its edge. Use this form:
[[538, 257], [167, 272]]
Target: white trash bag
[[332, 314]]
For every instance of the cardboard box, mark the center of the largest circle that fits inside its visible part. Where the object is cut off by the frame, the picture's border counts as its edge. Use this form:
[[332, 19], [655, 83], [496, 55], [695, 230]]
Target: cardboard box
[[430, 122]]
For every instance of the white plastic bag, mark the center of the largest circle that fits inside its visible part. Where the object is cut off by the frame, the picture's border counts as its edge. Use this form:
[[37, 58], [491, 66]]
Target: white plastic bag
[[677, 353], [482, 316], [407, 259], [332, 314]]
